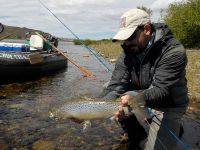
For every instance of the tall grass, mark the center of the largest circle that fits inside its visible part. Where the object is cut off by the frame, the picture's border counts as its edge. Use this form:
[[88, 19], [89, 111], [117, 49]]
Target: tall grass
[[107, 49], [193, 75]]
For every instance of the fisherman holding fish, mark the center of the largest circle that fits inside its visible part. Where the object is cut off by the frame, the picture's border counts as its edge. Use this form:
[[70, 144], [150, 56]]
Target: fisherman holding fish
[[151, 70]]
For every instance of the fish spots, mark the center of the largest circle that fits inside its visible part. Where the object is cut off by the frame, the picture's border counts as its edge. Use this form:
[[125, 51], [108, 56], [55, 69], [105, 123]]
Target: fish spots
[[88, 109]]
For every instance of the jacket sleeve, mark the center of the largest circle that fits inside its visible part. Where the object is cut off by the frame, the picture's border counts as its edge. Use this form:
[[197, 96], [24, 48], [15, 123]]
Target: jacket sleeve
[[168, 72], [119, 81]]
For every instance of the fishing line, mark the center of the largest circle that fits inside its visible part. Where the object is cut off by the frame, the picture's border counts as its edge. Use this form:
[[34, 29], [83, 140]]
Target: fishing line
[[76, 36]]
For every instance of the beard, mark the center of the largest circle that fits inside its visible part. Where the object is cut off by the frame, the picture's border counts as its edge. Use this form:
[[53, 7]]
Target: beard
[[132, 49], [135, 50]]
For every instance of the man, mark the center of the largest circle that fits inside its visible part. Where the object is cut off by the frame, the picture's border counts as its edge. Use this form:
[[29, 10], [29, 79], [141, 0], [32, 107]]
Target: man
[[150, 70]]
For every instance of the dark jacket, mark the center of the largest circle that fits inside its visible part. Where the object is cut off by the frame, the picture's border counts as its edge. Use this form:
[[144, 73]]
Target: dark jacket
[[160, 74]]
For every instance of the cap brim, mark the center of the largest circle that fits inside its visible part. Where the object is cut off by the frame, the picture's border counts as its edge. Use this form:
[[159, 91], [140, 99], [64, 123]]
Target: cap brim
[[124, 34]]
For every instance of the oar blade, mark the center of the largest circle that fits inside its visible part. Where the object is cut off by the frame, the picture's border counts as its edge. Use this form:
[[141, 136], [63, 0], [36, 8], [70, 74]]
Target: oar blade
[[36, 58]]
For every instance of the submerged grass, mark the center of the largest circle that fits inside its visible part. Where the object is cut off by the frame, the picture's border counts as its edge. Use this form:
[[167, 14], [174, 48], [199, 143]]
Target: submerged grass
[[111, 50]]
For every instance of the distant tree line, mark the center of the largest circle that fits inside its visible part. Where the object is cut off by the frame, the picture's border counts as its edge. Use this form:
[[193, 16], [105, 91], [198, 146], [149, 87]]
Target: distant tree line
[[85, 42], [90, 42], [184, 20]]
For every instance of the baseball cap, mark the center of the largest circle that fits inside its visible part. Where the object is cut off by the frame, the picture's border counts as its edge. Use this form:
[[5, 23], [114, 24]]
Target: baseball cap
[[129, 22]]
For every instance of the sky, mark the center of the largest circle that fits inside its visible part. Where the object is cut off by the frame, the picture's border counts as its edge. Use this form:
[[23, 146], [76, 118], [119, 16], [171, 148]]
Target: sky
[[87, 19]]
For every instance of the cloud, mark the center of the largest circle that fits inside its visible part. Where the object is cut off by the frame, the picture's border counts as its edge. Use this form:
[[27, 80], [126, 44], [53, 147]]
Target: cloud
[[162, 4], [89, 16], [86, 18]]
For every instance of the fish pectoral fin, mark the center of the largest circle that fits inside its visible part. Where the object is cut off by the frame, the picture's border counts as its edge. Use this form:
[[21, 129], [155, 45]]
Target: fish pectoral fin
[[86, 125], [51, 115]]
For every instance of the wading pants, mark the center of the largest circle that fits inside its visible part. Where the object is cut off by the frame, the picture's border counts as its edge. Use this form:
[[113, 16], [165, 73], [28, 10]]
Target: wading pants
[[165, 121]]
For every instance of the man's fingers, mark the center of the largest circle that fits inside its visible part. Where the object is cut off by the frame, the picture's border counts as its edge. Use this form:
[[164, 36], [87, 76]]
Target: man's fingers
[[120, 108], [123, 111], [124, 102], [119, 113], [125, 99], [117, 116]]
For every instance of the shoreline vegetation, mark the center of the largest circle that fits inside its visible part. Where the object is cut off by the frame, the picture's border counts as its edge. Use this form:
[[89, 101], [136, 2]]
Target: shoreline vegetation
[[111, 51]]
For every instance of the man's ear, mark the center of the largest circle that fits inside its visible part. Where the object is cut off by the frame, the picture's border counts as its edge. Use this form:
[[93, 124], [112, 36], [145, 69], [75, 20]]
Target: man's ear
[[147, 29]]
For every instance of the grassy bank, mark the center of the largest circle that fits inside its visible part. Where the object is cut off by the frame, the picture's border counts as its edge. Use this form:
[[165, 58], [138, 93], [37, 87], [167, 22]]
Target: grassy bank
[[193, 77], [108, 50], [112, 50]]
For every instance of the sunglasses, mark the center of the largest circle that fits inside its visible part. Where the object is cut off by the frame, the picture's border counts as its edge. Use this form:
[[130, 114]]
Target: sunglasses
[[133, 36]]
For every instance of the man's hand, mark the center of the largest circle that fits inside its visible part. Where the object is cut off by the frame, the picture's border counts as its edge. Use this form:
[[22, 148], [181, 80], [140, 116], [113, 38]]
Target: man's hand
[[124, 103], [125, 100]]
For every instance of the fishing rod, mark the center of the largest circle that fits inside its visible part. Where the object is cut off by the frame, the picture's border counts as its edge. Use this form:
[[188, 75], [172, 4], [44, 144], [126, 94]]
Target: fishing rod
[[75, 36]]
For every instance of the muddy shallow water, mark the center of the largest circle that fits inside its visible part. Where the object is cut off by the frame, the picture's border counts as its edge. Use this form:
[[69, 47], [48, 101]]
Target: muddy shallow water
[[24, 110]]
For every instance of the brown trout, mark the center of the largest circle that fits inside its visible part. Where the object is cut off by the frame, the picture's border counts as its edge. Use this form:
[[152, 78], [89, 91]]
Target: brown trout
[[88, 110]]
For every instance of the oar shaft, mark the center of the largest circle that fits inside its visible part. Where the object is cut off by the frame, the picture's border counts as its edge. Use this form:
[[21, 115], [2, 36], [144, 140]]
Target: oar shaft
[[84, 71]]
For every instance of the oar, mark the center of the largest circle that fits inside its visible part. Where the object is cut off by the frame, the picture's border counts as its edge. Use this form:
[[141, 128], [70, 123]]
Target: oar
[[84, 71], [36, 58]]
